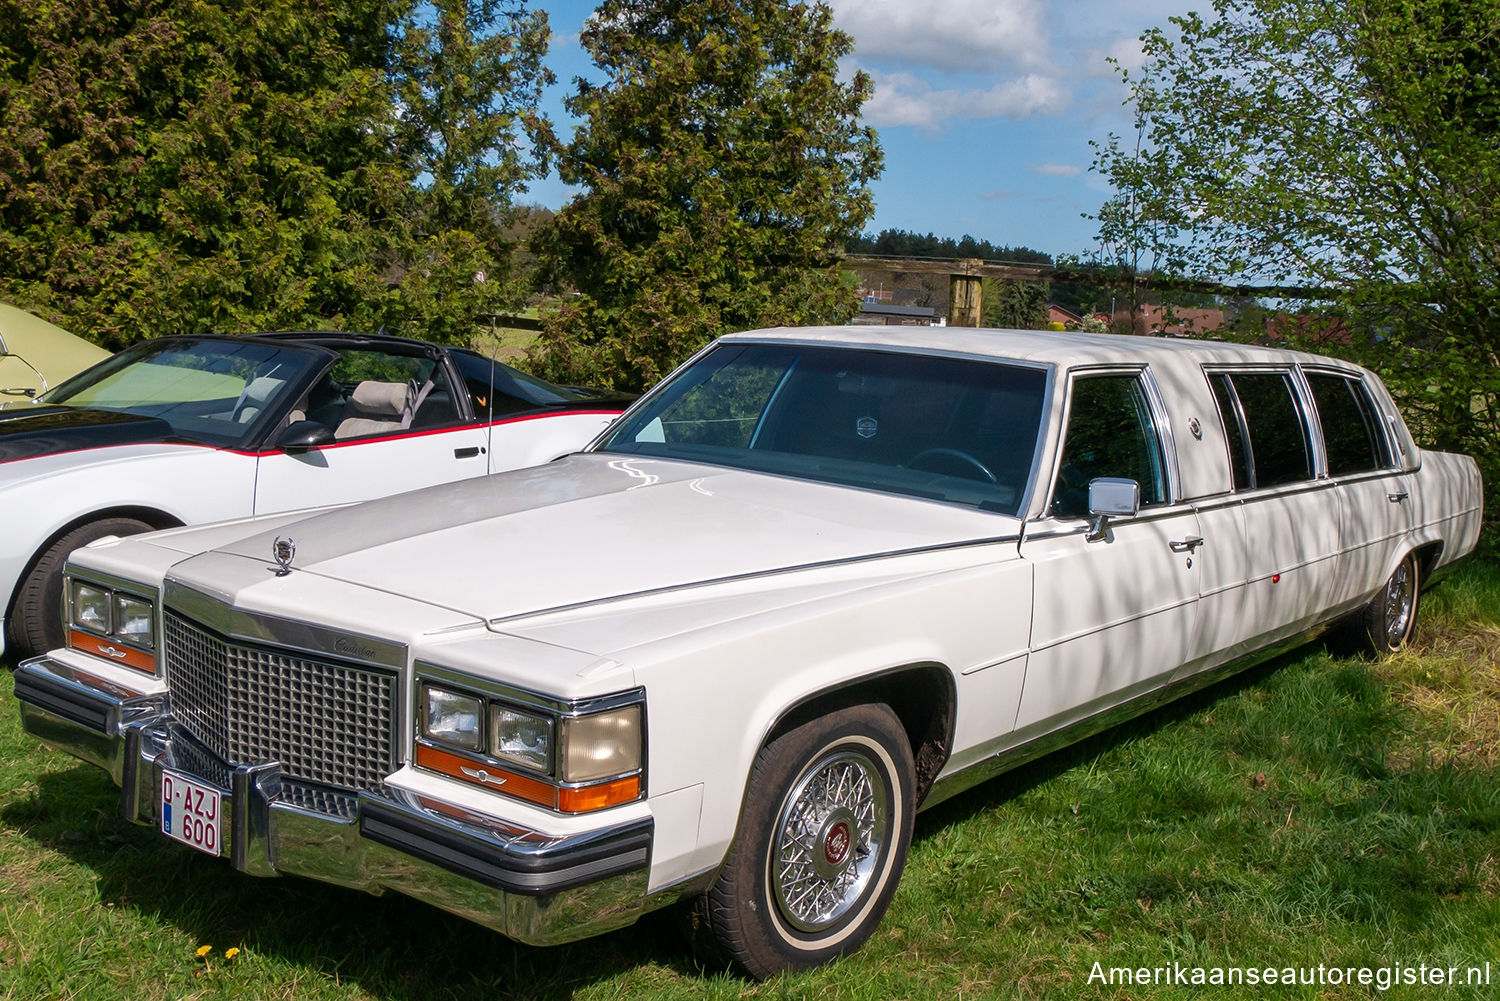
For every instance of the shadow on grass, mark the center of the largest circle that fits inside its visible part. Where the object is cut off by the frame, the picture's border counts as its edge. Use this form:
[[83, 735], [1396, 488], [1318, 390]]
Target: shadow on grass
[[1271, 794], [1018, 781], [391, 946]]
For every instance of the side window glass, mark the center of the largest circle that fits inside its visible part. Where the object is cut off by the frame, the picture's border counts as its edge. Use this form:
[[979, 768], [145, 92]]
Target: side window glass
[[1350, 432], [1110, 433], [475, 370], [1239, 457], [1278, 439], [369, 393]]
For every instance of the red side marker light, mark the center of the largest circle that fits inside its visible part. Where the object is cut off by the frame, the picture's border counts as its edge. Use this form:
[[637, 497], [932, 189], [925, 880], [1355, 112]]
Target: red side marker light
[[1276, 578]]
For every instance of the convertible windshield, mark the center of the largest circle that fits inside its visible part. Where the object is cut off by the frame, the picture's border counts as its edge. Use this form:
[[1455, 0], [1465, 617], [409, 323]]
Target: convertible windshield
[[205, 389], [949, 429]]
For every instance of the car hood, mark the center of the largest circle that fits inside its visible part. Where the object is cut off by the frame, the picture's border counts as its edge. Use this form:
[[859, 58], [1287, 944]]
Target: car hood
[[591, 528], [42, 430]]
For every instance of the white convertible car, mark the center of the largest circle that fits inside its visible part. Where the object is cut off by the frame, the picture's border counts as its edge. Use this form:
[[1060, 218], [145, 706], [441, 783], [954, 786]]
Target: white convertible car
[[815, 581], [186, 430]]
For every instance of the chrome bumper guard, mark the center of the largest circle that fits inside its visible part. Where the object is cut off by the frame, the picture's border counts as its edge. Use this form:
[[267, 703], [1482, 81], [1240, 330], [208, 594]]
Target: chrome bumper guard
[[531, 887]]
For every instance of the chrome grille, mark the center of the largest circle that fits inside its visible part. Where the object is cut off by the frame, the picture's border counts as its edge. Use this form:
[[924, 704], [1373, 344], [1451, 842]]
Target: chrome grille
[[323, 721]]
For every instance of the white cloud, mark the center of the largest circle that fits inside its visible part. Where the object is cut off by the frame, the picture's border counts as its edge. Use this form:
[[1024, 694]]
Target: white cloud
[[949, 35], [1128, 53], [1057, 169], [905, 99]]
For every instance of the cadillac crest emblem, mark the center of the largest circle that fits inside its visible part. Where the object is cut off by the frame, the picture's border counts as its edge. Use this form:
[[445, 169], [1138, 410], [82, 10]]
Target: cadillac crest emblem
[[283, 551]]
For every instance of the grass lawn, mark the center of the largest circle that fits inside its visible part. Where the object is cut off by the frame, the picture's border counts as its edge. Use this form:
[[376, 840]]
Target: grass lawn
[[505, 343], [1317, 810]]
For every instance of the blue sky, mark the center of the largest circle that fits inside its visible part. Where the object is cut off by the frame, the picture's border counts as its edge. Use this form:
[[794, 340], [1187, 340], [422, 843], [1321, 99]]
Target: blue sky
[[985, 108]]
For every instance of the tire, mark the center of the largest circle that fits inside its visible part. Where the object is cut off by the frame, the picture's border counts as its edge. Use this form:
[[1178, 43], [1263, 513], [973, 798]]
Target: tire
[[36, 619], [822, 841], [1390, 619]]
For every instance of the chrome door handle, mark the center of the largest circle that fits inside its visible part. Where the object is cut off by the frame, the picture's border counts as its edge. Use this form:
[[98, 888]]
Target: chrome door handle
[[1396, 498], [1187, 545]]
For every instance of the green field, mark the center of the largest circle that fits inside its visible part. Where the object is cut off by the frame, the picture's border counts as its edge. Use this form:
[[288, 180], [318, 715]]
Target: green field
[[1317, 810]]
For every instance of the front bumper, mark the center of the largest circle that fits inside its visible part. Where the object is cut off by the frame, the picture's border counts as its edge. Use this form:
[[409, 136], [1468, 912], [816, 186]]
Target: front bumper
[[532, 887]]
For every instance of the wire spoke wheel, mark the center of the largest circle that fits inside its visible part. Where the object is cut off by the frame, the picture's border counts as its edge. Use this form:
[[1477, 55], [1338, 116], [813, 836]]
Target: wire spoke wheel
[[824, 830], [1390, 619], [1400, 603], [832, 829]]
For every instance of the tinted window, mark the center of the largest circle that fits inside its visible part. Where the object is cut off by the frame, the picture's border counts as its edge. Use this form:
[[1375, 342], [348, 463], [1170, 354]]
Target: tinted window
[[1239, 456], [475, 370], [1278, 440], [1110, 433], [1349, 427], [948, 429]]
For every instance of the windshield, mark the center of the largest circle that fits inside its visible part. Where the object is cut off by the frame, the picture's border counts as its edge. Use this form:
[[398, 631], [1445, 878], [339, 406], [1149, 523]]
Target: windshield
[[205, 389], [955, 430]]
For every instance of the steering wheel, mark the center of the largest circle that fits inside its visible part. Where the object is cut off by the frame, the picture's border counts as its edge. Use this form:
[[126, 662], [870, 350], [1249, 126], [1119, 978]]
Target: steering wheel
[[949, 457]]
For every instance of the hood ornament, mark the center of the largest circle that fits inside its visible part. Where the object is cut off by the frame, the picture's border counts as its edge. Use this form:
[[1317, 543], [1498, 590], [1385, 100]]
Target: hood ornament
[[283, 551]]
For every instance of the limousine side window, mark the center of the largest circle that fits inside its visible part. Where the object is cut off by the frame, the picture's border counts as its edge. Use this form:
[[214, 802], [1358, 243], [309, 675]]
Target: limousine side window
[[1267, 437], [1110, 433], [1351, 431]]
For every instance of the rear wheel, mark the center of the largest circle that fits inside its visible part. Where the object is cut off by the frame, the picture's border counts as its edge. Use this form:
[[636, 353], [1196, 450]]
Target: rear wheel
[[1390, 619], [823, 837], [36, 623]]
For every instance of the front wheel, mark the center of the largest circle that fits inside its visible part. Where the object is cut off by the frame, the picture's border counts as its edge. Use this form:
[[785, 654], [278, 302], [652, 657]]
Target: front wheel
[[37, 625], [1390, 619], [823, 836]]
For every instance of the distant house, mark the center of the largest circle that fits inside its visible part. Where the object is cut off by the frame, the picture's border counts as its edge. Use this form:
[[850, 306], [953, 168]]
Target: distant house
[[874, 313], [1056, 314], [1169, 321], [1309, 329], [1066, 319]]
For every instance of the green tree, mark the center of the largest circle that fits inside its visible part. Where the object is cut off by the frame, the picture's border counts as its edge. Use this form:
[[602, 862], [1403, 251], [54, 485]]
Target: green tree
[[184, 165], [1351, 146], [1015, 304], [724, 166], [468, 79]]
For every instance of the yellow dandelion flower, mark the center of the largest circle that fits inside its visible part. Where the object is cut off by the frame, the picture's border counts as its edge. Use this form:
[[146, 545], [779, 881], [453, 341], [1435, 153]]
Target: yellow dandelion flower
[[231, 953], [204, 950]]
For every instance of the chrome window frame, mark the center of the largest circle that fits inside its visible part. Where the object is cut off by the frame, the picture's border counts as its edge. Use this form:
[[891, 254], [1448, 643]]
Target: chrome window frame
[[1166, 441]]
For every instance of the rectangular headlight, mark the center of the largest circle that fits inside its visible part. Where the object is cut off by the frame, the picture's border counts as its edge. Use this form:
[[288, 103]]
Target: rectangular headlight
[[601, 745], [452, 717], [133, 620], [521, 739], [91, 608]]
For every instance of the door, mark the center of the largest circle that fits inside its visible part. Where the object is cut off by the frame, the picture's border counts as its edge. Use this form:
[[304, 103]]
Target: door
[[1375, 503], [1115, 617], [397, 424]]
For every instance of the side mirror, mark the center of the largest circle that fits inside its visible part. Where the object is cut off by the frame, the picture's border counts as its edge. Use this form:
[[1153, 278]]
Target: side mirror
[[303, 435], [1111, 497]]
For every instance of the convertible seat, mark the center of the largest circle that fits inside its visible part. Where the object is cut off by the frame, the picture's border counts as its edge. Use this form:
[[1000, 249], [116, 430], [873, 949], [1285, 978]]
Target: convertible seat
[[375, 407]]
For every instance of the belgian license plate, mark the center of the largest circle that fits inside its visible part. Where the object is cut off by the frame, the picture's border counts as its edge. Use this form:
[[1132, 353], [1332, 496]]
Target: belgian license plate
[[190, 812]]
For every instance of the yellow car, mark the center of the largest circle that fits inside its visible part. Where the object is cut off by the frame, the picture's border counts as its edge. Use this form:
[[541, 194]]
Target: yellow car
[[36, 355]]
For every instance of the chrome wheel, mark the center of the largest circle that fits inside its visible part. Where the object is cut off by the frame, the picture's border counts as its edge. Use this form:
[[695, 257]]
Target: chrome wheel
[[1390, 618], [829, 836], [1400, 604], [822, 841]]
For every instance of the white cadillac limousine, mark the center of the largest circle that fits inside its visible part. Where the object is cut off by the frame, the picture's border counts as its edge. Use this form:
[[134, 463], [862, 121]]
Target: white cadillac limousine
[[815, 581]]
